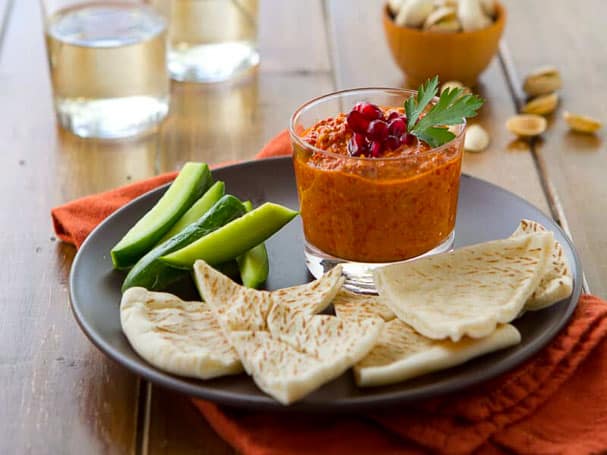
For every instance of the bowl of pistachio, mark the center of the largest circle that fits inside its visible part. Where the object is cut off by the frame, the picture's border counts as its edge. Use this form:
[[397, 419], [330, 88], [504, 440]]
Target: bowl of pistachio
[[455, 39]]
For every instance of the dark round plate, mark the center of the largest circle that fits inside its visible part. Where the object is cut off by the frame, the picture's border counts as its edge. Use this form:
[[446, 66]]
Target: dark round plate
[[486, 212]]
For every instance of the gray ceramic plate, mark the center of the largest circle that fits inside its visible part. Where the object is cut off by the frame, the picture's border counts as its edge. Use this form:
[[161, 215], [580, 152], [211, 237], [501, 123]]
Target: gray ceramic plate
[[486, 212]]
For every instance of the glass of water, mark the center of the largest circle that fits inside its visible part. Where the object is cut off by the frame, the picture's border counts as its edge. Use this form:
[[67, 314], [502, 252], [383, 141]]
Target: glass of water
[[210, 40], [108, 66]]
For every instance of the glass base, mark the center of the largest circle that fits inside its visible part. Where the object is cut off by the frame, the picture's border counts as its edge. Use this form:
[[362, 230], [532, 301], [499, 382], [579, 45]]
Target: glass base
[[209, 63], [111, 118], [359, 275]]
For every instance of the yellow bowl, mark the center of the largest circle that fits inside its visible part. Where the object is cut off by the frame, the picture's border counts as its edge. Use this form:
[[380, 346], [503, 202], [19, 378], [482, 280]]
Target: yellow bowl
[[460, 56]]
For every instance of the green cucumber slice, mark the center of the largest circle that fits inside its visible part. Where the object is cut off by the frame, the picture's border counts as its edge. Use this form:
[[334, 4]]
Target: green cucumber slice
[[233, 239], [153, 274], [253, 265], [200, 207], [189, 185]]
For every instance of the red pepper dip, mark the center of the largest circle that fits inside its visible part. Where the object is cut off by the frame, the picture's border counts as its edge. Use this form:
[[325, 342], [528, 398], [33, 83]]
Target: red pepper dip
[[366, 202]]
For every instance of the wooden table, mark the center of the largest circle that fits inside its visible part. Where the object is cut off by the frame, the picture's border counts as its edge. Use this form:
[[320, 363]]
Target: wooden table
[[58, 394]]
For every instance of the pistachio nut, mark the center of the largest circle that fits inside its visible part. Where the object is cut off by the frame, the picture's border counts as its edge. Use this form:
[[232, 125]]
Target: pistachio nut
[[413, 13], [582, 123], [454, 84], [471, 15], [395, 5], [477, 139], [542, 81], [451, 3], [542, 105], [489, 7], [441, 14], [526, 125], [446, 26]]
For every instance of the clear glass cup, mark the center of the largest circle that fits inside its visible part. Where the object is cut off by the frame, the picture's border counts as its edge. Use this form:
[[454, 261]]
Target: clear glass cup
[[367, 212], [108, 66], [210, 40]]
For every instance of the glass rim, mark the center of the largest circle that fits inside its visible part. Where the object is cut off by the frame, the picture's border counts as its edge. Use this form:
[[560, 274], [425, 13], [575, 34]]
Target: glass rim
[[397, 91]]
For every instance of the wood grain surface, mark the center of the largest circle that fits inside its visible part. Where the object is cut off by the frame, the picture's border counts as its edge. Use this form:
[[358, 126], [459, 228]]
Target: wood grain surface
[[59, 394], [573, 164]]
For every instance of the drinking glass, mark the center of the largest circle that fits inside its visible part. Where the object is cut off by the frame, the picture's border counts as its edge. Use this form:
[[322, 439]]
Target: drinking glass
[[108, 66], [210, 40], [365, 212]]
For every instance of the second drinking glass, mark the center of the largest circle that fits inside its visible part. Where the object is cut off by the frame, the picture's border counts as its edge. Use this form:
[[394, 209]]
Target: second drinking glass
[[210, 40]]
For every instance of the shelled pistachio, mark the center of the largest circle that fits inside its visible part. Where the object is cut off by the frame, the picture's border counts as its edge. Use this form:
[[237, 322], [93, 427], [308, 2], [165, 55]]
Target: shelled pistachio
[[542, 105], [582, 123], [542, 81], [526, 125]]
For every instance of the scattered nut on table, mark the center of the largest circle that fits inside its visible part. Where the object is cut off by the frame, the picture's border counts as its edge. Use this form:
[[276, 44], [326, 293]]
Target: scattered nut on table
[[582, 123], [526, 125], [542, 81], [542, 105], [477, 139]]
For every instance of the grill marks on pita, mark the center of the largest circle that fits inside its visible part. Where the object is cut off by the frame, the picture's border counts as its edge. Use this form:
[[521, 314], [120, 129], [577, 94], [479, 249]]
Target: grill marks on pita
[[469, 291], [288, 350], [557, 282], [401, 353], [176, 336]]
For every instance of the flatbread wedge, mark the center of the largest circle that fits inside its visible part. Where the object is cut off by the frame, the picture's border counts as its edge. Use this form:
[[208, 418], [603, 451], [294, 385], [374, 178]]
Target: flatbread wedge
[[557, 282], [240, 308], [287, 349], [401, 353], [323, 336], [469, 291], [288, 371], [176, 336], [358, 307]]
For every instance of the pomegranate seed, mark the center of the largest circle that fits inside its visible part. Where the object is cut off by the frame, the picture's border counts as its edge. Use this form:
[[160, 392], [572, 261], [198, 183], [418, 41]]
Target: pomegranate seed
[[393, 142], [392, 116], [397, 127], [377, 130], [376, 149], [370, 111], [407, 139], [359, 139], [357, 145], [357, 122]]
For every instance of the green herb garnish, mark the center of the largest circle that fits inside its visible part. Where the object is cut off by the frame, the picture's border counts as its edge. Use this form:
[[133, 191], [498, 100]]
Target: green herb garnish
[[452, 108]]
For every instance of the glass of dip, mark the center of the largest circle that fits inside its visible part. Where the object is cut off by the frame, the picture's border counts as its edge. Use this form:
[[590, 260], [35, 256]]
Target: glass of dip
[[363, 211]]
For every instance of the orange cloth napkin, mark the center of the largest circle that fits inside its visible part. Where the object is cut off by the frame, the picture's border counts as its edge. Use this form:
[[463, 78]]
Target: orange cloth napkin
[[556, 403]]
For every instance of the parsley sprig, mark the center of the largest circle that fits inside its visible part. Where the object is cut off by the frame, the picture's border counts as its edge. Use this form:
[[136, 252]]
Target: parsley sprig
[[452, 107]]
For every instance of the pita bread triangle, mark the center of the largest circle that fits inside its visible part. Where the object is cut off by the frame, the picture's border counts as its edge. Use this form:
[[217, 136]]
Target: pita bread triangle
[[292, 351], [176, 336], [469, 291], [240, 308], [401, 353], [352, 306], [557, 282]]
